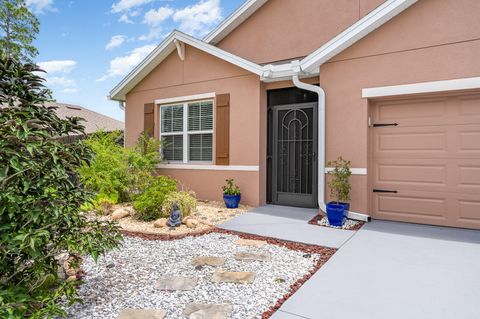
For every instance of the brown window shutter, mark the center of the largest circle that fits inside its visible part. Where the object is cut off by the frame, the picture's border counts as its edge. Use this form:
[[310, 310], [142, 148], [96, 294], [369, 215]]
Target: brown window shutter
[[222, 129], [148, 119]]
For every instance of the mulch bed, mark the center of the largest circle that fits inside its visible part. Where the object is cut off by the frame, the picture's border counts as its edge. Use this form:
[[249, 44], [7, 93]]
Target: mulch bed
[[315, 221], [324, 252]]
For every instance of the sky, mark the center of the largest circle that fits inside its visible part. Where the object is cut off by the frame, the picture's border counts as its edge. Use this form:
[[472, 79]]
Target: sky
[[88, 46]]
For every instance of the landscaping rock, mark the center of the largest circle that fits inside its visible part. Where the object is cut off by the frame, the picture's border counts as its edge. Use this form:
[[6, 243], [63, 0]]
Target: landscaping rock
[[251, 242], [142, 314], [120, 213], [208, 311], [184, 220], [160, 223], [247, 256], [208, 261], [177, 283], [191, 223], [238, 277]]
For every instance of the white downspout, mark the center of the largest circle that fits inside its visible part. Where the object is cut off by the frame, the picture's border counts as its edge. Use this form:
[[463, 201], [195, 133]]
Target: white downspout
[[321, 142]]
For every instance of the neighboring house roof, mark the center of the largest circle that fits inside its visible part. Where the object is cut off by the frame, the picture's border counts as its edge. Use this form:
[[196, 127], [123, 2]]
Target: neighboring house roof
[[270, 72], [93, 121]]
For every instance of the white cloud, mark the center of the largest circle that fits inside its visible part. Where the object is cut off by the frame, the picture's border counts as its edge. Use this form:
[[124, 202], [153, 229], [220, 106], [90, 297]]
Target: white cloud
[[155, 17], [40, 6], [70, 90], [115, 41], [61, 81], [57, 66], [123, 64], [125, 19], [153, 34], [197, 19], [126, 5]]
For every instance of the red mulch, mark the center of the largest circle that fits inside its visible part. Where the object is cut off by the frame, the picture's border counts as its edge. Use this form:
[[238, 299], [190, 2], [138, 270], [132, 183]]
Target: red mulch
[[324, 252], [317, 218]]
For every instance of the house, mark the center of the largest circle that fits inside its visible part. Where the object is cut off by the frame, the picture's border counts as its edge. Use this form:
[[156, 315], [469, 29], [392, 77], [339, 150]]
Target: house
[[93, 121], [281, 86]]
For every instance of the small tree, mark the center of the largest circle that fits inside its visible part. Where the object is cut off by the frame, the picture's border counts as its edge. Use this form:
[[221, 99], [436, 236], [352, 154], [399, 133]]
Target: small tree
[[339, 184], [40, 197], [18, 29]]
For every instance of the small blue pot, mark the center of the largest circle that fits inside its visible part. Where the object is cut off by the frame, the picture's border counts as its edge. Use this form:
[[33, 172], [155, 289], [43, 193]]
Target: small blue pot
[[231, 201], [347, 208], [335, 214]]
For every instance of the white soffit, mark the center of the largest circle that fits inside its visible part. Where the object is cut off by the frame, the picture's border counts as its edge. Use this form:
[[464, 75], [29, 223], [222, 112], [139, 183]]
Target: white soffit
[[164, 49], [357, 31], [234, 20], [422, 87]]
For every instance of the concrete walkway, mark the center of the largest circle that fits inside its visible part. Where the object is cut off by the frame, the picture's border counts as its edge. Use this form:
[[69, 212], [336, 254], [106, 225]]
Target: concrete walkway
[[396, 271], [287, 223]]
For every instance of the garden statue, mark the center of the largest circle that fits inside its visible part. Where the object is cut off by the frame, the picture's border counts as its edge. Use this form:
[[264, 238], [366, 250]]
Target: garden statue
[[175, 217]]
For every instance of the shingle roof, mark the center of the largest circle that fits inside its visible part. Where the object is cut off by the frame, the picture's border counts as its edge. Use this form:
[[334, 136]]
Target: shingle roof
[[93, 121]]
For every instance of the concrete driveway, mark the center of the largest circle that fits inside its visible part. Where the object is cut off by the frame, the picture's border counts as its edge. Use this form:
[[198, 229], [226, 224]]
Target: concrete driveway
[[395, 271]]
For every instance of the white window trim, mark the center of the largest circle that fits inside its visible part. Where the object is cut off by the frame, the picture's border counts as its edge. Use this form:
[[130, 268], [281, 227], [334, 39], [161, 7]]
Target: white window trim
[[246, 168], [187, 98], [422, 87], [185, 133]]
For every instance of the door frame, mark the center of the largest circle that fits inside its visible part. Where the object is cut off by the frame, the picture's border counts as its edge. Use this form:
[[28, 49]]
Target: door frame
[[314, 195]]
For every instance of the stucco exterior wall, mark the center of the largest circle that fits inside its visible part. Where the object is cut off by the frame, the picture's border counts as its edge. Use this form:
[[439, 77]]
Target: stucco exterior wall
[[287, 29], [433, 40], [202, 73]]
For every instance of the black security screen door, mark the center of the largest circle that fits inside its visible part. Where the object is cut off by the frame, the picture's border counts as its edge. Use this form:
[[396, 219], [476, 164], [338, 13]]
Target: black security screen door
[[294, 177]]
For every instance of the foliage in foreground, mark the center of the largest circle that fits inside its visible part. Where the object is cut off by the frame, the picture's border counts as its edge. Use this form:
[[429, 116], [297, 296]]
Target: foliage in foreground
[[339, 183], [148, 205], [40, 198], [119, 173]]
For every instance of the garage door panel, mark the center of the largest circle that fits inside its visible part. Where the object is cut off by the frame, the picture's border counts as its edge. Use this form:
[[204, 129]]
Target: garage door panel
[[431, 159]]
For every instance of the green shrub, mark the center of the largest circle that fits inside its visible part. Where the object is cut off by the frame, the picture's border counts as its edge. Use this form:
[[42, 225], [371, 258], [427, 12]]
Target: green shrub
[[185, 201], [103, 206], [340, 183], [40, 198], [117, 171], [148, 205], [231, 188]]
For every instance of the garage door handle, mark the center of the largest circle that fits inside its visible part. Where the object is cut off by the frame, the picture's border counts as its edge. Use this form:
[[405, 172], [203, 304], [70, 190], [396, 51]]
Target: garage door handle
[[385, 124], [384, 191]]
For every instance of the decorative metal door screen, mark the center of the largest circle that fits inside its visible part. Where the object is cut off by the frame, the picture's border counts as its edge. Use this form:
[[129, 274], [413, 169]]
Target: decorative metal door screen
[[295, 155]]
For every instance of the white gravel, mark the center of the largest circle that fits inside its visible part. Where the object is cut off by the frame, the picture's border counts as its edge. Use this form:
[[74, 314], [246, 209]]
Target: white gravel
[[125, 278], [349, 223]]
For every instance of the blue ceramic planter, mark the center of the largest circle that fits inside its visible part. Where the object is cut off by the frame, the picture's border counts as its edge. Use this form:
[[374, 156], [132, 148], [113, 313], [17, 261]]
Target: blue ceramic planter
[[231, 201], [336, 214], [347, 208]]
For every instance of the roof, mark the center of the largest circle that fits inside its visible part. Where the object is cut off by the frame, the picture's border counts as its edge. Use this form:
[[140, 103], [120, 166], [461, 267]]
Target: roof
[[93, 121], [308, 66]]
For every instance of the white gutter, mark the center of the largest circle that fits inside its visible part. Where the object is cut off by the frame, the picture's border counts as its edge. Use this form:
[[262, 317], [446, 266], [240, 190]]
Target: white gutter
[[321, 140]]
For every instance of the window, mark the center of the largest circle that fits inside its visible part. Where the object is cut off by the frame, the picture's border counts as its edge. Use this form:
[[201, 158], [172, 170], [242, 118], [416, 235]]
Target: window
[[187, 131]]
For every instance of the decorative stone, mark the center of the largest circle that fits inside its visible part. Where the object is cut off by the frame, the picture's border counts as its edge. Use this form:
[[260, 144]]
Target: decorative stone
[[251, 242], [192, 223], [208, 261], [160, 223], [238, 277], [176, 283], [142, 314], [184, 221], [246, 256], [208, 311], [120, 213], [175, 217]]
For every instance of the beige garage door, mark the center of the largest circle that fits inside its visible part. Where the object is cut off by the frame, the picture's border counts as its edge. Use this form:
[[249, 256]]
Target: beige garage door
[[426, 168]]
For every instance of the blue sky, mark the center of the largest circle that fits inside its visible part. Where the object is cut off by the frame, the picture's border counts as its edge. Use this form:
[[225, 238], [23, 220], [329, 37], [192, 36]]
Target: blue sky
[[87, 46]]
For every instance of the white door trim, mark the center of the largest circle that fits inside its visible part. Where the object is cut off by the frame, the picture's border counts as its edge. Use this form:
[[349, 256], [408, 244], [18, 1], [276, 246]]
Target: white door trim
[[423, 87]]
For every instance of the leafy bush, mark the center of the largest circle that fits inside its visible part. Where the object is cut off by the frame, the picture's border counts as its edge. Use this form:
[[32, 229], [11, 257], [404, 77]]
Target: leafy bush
[[103, 206], [118, 172], [185, 201], [230, 188], [339, 184], [148, 205], [40, 198]]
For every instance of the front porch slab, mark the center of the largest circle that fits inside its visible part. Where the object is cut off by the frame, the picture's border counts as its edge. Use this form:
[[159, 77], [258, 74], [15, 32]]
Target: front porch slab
[[287, 223]]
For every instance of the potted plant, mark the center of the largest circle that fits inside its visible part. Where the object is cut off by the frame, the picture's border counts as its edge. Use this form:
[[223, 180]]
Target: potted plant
[[339, 190], [231, 194]]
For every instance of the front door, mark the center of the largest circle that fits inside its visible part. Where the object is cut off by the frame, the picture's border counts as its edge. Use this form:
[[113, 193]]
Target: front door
[[294, 178]]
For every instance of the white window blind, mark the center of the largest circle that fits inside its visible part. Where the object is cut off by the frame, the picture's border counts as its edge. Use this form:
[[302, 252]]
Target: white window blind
[[187, 132]]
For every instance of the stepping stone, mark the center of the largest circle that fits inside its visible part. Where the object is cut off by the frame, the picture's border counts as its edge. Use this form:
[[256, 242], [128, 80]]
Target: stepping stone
[[251, 242], [246, 256], [176, 283], [208, 261], [238, 277], [142, 314], [207, 311]]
